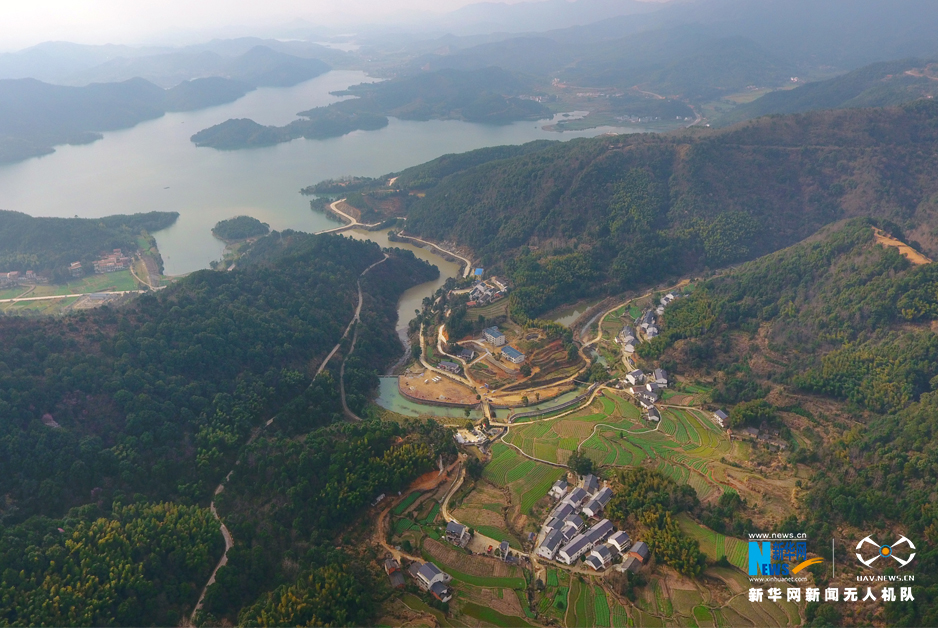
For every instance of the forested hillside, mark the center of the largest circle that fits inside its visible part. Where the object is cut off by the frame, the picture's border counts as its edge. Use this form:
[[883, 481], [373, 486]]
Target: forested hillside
[[157, 399], [141, 399], [877, 85], [48, 245], [841, 317], [487, 95], [292, 497], [608, 214]]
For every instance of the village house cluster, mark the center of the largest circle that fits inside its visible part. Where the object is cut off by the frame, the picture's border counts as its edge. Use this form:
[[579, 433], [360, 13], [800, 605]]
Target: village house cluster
[[487, 291], [574, 529], [16, 278], [765, 435], [112, 262], [646, 389], [496, 338], [647, 323]]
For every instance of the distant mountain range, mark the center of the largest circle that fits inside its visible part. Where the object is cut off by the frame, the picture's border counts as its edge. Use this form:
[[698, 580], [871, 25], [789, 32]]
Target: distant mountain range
[[36, 116], [248, 59], [701, 50]]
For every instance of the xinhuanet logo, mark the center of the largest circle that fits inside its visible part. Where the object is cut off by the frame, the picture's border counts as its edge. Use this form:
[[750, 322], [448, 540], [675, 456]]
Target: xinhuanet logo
[[779, 559]]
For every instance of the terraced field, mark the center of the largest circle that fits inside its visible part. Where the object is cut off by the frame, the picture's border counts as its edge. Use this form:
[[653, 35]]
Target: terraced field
[[686, 446], [527, 480], [716, 545]]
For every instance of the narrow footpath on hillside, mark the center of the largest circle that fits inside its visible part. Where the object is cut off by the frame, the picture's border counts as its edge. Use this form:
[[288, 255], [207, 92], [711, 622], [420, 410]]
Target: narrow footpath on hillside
[[355, 321], [229, 541]]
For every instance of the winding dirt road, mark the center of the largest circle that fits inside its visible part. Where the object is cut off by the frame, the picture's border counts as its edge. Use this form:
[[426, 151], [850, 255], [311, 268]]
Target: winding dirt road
[[229, 541]]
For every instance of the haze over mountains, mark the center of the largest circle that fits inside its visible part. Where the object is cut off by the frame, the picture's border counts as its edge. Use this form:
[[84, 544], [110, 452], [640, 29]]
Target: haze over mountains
[[36, 116]]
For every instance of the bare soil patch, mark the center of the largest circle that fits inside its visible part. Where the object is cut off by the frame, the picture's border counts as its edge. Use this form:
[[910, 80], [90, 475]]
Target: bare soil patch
[[507, 604], [470, 565], [907, 251], [421, 386], [475, 517]]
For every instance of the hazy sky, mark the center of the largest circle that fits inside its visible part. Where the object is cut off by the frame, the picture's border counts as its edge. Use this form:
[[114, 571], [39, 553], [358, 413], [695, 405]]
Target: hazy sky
[[26, 22]]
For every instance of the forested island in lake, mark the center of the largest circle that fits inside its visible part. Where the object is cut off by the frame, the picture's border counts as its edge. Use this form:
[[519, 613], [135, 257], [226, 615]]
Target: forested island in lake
[[488, 95], [240, 228]]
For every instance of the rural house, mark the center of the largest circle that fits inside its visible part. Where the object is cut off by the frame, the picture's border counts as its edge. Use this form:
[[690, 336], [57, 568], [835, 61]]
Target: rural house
[[457, 534], [720, 418], [558, 489], [550, 544], [640, 552], [599, 558], [494, 336], [513, 355], [620, 540]]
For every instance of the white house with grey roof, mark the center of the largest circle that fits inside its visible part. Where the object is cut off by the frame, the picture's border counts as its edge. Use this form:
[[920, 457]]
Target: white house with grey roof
[[721, 418], [429, 574], [559, 489], [572, 526], [576, 497], [582, 543], [494, 336], [599, 558], [620, 540], [565, 508], [596, 505], [636, 377], [578, 545], [457, 534], [549, 546]]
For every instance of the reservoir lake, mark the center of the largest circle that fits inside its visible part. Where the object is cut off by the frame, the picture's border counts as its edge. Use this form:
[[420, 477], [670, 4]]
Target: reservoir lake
[[155, 167]]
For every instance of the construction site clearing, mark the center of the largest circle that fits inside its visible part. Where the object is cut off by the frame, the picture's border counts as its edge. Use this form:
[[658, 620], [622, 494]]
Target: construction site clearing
[[428, 386]]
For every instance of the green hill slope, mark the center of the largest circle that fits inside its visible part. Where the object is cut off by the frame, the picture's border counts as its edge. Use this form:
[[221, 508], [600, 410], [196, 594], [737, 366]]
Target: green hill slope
[[837, 329], [876, 85], [48, 245], [565, 220]]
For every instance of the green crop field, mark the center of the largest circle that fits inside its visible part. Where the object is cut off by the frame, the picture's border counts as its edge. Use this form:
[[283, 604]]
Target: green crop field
[[714, 544], [520, 471], [620, 617], [504, 458], [552, 580], [490, 582], [404, 505], [431, 516], [402, 525], [498, 534], [560, 601], [601, 608], [535, 485]]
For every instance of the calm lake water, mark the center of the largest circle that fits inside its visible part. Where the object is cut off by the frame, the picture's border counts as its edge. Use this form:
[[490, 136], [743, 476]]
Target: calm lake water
[[154, 166]]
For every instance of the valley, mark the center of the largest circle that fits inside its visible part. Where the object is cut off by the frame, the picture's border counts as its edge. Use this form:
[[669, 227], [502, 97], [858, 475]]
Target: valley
[[545, 314]]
